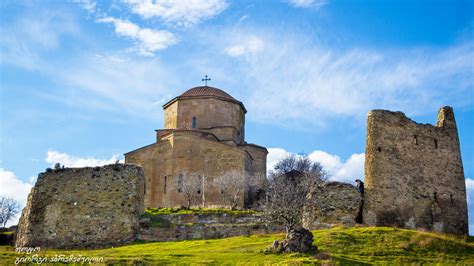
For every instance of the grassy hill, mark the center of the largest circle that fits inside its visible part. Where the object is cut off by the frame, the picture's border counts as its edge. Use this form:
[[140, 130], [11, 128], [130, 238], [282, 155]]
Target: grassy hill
[[356, 246]]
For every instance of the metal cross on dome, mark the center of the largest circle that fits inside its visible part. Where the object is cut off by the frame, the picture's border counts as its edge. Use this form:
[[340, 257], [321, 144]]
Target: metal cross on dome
[[206, 79]]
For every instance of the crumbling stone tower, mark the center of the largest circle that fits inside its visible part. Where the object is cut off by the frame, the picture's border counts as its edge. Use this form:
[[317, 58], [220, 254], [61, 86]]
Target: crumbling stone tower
[[413, 173]]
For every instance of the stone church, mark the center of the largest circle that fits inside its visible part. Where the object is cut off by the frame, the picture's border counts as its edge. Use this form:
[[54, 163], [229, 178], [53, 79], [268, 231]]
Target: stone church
[[204, 133]]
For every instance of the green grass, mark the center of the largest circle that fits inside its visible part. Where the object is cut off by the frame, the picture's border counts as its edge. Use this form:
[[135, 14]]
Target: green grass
[[159, 211], [354, 246]]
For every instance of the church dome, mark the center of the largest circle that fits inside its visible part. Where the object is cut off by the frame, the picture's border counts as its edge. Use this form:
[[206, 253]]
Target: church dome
[[207, 91]]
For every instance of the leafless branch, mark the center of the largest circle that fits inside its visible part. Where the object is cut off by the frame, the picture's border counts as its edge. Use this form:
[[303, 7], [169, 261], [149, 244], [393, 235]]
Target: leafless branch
[[8, 209], [189, 185], [232, 186]]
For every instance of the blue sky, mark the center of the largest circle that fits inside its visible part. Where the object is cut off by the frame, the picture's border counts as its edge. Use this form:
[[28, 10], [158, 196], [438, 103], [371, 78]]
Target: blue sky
[[83, 82]]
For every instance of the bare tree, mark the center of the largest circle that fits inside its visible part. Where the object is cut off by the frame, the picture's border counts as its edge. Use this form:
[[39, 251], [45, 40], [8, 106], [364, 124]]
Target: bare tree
[[300, 163], [8, 209], [288, 186], [232, 186], [205, 188], [190, 185]]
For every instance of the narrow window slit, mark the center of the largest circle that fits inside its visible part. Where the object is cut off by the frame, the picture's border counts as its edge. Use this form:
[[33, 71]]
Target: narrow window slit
[[164, 187]]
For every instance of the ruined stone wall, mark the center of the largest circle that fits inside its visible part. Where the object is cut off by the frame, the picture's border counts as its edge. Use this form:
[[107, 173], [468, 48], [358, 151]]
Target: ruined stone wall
[[83, 207], [175, 227], [413, 173], [330, 204]]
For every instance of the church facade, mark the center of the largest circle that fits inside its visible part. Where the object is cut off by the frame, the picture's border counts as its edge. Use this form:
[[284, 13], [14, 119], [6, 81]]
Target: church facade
[[204, 134]]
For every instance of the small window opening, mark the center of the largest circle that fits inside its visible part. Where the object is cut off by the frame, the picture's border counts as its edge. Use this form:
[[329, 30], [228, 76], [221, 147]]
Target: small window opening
[[435, 196], [194, 122], [416, 140], [164, 187], [436, 143], [451, 197], [379, 149]]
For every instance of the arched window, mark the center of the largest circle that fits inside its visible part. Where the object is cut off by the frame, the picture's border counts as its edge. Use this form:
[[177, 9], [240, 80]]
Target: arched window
[[194, 122]]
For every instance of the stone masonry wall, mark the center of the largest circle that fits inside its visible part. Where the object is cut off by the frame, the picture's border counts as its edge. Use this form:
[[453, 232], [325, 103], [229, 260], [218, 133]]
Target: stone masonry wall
[[83, 207], [174, 227], [259, 155], [332, 203], [413, 173]]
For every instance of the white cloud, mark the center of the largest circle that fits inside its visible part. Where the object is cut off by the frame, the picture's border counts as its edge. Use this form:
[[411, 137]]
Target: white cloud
[[182, 13], [250, 46], [470, 191], [89, 6], [348, 171], [147, 41], [338, 170], [470, 203], [275, 155], [12, 187], [53, 157], [308, 3]]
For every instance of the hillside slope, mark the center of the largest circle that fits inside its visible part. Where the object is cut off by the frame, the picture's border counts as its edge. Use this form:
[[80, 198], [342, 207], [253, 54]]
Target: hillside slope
[[360, 245]]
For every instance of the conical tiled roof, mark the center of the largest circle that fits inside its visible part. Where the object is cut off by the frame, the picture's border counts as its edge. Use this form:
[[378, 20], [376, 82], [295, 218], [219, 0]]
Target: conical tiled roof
[[207, 91]]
